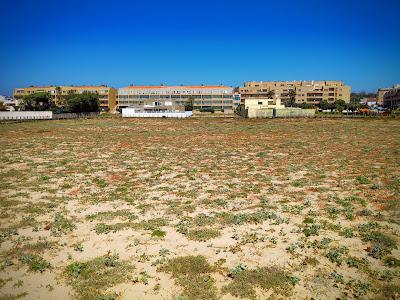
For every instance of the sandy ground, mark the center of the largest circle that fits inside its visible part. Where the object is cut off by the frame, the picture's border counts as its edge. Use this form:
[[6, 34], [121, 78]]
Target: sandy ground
[[308, 196]]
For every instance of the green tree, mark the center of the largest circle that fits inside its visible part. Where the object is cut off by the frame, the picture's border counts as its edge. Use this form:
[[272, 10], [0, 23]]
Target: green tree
[[356, 97], [352, 106], [37, 101], [3, 106], [306, 105], [58, 91], [340, 105], [324, 104], [85, 102], [189, 104], [270, 94], [292, 98]]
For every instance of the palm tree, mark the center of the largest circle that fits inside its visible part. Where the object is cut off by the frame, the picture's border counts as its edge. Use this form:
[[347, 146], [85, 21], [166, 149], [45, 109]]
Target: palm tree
[[271, 94], [189, 104], [58, 95], [292, 98]]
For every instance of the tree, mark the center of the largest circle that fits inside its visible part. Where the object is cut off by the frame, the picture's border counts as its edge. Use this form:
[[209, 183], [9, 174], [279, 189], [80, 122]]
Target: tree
[[58, 91], [58, 94], [189, 104], [292, 99], [85, 102], [351, 106], [331, 106], [37, 101], [324, 105], [3, 106], [356, 97], [270, 94], [305, 105], [340, 105]]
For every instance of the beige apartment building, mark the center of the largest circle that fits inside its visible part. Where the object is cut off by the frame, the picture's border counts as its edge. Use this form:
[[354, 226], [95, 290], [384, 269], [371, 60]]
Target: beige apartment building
[[391, 98], [380, 93], [107, 95], [203, 97], [311, 92]]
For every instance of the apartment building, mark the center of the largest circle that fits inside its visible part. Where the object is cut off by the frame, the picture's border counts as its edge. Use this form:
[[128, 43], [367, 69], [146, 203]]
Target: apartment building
[[380, 93], [391, 98], [107, 95], [311, 92], [202, 96]]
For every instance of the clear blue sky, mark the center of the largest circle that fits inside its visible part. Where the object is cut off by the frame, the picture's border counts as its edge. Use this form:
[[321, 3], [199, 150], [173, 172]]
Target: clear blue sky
[[192, 42]]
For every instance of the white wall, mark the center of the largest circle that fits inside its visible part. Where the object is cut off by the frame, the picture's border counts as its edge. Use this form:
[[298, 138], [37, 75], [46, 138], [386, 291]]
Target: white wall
[[26, 115], [130, 113]]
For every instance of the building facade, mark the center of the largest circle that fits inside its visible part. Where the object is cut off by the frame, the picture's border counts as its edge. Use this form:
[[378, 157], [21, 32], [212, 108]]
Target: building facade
[[202, 97], [391, 99], [256, 107], [379, 95], [107, 95], [312, 92]]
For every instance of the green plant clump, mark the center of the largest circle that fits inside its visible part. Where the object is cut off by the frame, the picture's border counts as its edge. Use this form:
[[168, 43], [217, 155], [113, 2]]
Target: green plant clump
[[391, 261], [193, 274], [312, 229], [35, 262], [92, 278], [62, 225], [203, 235], [158, 233], [246, 281]]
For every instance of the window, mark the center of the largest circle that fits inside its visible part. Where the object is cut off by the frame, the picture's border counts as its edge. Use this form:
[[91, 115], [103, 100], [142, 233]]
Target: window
[[260, 103]]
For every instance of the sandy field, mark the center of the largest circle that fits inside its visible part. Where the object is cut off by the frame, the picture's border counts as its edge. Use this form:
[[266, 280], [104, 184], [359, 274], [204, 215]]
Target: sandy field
[[113, 208]]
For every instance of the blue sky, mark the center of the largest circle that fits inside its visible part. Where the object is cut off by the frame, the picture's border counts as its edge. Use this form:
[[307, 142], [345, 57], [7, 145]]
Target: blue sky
[[192, 42]]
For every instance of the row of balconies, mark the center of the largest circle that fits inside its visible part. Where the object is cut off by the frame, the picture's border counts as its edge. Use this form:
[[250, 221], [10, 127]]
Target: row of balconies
[[120, 101], [55, 92], [174, 97]]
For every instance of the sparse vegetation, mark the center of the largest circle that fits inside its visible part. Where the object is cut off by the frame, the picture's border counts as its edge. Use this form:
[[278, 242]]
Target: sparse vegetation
[[92, 278], [280, 207], [193, 273], [202, 235], [245, 281], [34, 262]]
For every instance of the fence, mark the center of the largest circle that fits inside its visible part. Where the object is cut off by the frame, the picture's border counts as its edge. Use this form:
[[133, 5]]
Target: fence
[[42, 115], [26, 115], [74, 115], [290, 112]]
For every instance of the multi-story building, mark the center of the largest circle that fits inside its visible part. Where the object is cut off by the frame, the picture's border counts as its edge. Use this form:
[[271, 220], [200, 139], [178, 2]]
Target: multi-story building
[[391, 99], [379, 95], [202, 97], [311, 92], [107, 95], [382, 91]]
